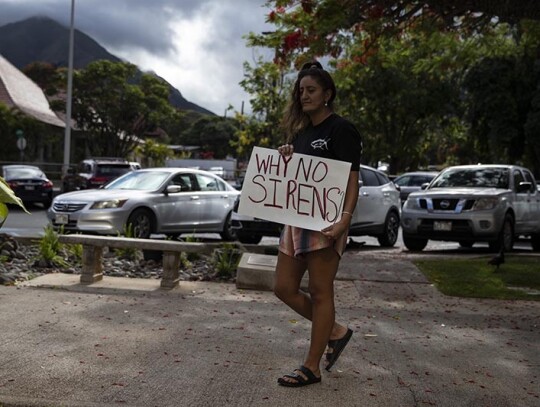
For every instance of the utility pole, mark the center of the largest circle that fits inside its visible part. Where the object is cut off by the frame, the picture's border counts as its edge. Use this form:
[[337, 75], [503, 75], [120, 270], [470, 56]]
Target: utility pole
[[67, 134]]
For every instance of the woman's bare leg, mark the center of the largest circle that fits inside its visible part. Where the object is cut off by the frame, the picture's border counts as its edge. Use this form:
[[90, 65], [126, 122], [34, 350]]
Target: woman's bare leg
[[317, 307], [289, 273], [322, 266]]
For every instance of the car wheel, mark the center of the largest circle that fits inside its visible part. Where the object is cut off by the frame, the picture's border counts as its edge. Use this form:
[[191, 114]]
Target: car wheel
[[391, 230], [535, 242], [466, 243], [228, 232], [414, 244], [249, 239], [142, 223], [505, 240]]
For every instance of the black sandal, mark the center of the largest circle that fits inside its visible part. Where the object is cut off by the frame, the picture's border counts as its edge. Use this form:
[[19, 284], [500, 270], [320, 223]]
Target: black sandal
[[337, 346], [300, 380]]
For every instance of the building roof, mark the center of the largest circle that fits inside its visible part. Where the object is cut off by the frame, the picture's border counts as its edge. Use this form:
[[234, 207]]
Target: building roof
[[19, 91]]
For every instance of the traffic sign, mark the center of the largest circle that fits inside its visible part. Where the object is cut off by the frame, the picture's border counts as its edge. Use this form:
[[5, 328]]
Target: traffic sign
[[21, 143]]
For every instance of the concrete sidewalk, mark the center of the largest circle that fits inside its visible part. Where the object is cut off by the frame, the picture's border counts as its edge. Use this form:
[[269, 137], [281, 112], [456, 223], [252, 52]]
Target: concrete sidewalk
[[126, 342]]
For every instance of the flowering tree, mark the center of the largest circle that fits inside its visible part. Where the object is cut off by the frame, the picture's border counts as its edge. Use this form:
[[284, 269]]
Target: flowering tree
[[401, 68]]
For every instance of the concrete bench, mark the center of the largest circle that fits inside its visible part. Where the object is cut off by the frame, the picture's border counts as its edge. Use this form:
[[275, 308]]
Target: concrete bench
[[257, 271], [92, 268]]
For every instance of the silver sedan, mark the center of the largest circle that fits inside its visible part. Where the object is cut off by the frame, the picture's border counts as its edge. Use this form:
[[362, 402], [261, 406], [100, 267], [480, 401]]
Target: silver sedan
[[167, 201]]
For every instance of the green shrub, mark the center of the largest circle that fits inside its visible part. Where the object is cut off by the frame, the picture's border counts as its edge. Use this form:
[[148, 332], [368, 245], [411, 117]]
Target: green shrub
[[128, 253], [226, 259], [74, 252], [191, 256], [50, 249]]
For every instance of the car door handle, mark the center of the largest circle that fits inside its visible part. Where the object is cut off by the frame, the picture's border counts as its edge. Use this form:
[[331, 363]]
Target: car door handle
[[365, 193], [224, 196], [194, 198]]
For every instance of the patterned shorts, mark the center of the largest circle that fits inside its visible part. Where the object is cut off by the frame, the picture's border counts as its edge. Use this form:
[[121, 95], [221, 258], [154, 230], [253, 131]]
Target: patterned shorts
[[296, 242]]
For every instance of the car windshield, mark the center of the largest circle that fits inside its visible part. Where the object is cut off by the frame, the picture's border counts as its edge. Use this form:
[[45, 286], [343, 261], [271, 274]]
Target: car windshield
[[492, 177], [24, 172], [140, 180]]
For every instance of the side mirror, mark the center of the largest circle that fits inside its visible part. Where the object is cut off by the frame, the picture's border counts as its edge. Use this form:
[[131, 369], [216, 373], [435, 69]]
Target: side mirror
[[524, 186], [424, 185], [173, 189]]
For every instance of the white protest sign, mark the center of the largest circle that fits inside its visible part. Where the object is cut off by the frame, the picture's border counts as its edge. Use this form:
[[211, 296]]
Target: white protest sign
[[299, 190]]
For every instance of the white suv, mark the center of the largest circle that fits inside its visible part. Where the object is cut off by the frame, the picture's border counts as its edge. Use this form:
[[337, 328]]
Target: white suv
[[377, 213], [472, 203]]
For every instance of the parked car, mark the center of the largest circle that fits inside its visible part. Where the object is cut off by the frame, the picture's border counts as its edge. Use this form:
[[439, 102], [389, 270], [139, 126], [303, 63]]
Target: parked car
[[167, 201], [93, 173], [412, 182], [377, 213], [474, 203], [29, 183]]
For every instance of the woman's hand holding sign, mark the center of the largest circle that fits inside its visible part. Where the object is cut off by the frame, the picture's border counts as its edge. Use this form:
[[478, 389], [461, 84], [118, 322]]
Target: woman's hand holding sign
[[337, 229], [286, 149]]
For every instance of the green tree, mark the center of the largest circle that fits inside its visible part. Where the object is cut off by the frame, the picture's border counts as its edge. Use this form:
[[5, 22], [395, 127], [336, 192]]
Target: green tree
[[47, 76], [400, 68], [212, 134], [40, 138], [269, 88], [153, 154], [503, 94], [114, 110], [320, 27]]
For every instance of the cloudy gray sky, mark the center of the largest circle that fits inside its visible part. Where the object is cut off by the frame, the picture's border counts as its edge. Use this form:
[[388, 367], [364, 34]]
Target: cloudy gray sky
[[196, 45]]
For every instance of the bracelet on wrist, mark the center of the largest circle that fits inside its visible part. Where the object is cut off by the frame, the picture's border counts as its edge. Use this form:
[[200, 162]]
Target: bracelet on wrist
[[345, 212]]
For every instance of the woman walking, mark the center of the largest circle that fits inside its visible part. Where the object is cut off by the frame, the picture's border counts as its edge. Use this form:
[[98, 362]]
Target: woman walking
[[313, 128]]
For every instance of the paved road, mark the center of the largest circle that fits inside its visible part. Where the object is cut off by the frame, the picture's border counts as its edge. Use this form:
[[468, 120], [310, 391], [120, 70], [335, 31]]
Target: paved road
[[19, 223]]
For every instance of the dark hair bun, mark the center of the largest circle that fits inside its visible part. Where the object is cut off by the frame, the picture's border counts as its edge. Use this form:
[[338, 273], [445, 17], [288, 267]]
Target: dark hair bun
[[311, 65]]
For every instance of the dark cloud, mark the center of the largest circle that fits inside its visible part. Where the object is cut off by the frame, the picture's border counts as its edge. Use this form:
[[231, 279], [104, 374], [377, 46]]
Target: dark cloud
[[206, 63], [114, 23]]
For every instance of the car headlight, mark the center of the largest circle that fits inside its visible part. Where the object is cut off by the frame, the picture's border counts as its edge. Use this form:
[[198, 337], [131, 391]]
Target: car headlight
[[110, 204], [483, 204], [412, 203]]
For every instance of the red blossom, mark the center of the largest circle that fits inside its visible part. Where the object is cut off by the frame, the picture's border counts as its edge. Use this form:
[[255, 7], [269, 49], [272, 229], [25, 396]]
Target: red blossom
[[292, 40]]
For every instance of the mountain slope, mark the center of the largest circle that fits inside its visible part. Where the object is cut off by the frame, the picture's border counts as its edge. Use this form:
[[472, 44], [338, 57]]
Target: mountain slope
[[43, 39]]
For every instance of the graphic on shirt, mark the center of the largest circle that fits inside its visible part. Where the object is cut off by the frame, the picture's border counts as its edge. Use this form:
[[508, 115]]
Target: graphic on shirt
[[320, 144]]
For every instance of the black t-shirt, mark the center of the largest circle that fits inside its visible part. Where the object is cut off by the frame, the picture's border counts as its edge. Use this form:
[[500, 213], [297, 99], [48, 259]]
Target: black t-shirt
[[335, 138]]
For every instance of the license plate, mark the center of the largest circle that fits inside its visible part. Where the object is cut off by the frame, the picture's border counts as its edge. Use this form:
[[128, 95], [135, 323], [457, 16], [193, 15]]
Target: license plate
[[61, 219], [29, 187], [442, 226]]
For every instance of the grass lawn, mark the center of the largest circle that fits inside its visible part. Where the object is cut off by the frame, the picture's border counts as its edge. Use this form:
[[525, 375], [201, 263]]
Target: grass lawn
[[517, 279]]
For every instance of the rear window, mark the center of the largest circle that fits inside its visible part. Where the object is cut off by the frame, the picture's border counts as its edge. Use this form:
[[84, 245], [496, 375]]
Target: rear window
[[24, 173], [369, 178], [108, 170]]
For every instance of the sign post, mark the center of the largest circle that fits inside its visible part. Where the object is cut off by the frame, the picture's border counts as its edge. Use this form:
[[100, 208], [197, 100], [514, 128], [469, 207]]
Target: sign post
[[21, 142]]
